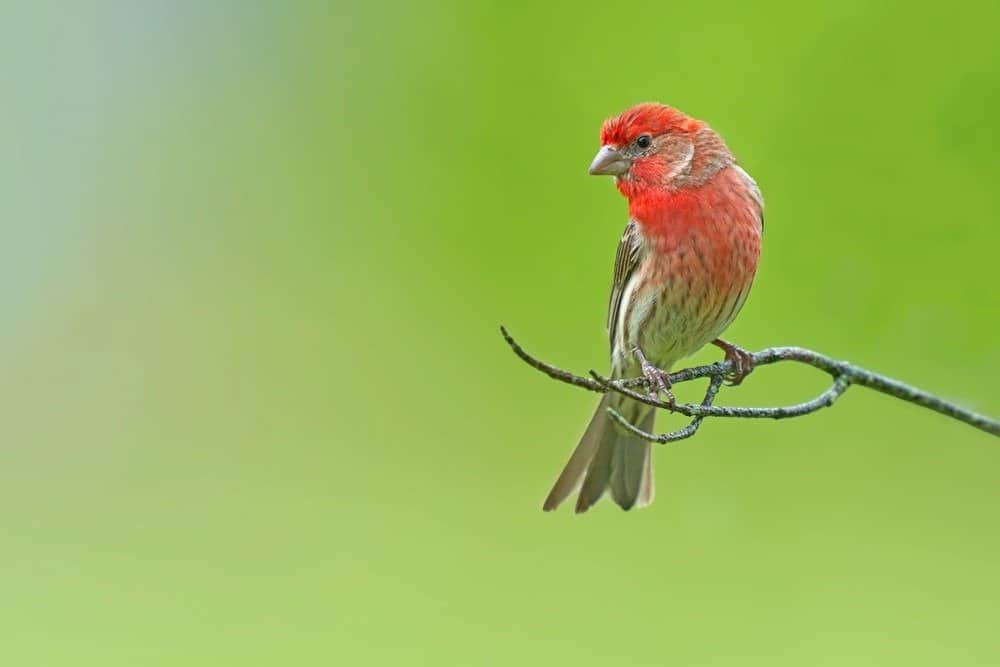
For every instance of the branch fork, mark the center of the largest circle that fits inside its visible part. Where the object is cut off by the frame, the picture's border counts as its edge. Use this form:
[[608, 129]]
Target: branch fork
[[843, 376]]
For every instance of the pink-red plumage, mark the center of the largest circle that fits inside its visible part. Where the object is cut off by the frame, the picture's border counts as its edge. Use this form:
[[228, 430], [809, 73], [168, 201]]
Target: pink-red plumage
[[711, 233]]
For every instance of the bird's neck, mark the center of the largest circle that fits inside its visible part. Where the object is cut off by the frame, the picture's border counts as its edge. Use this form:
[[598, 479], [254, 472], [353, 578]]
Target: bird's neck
[[664, 213], [660, 211]]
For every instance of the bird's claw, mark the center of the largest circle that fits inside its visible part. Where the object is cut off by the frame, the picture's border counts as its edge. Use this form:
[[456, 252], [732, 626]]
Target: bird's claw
[[742, 361], [658, 379]]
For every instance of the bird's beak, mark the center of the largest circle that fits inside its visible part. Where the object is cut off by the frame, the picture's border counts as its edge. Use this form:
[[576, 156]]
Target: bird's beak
[[609, 161]]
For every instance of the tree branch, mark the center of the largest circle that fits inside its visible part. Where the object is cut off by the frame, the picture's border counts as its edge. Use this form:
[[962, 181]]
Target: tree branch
[[843, 375]]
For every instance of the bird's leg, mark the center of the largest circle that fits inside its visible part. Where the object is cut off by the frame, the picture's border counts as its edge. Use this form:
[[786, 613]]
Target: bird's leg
[[742, 361], [656, 377]]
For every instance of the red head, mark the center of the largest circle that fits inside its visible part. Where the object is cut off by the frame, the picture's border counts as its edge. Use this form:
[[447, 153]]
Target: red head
[[653, 146], [648, 118]]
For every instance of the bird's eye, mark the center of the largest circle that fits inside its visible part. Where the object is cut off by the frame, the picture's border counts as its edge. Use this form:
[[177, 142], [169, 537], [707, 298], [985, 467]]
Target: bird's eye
[[645, 141]]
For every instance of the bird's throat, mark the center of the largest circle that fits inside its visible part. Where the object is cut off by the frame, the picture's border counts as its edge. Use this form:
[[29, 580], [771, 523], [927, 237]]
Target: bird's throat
[[659, 211]]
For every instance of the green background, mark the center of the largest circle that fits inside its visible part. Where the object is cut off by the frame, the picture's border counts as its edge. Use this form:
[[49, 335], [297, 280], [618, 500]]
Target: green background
[[256, 409]]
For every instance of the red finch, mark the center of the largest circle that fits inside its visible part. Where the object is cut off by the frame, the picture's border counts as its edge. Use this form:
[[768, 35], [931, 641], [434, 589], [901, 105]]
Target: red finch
[[683, 269]]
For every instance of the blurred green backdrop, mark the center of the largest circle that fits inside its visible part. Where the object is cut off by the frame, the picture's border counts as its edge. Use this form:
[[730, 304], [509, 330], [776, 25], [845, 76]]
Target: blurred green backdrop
[[257, 410]]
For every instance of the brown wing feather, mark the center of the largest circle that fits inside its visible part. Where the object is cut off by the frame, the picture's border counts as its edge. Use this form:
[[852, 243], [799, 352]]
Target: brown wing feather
[[630, 252]]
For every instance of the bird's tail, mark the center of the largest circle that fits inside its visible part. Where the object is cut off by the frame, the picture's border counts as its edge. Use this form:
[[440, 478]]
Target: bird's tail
[[609, 457]]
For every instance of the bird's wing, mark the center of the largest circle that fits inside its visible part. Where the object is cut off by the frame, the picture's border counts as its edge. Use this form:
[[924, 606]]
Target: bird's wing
[[630, 253]]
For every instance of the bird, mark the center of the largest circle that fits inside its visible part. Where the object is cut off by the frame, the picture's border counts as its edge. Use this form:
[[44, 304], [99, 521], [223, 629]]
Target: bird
[[683, 269]]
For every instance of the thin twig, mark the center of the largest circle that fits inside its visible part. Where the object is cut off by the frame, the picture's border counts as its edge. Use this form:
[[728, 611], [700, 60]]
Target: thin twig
[[843, 374]]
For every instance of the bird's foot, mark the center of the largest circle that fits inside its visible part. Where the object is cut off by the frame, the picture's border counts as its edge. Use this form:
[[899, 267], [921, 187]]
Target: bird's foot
[[656, 378], [741, 359]]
